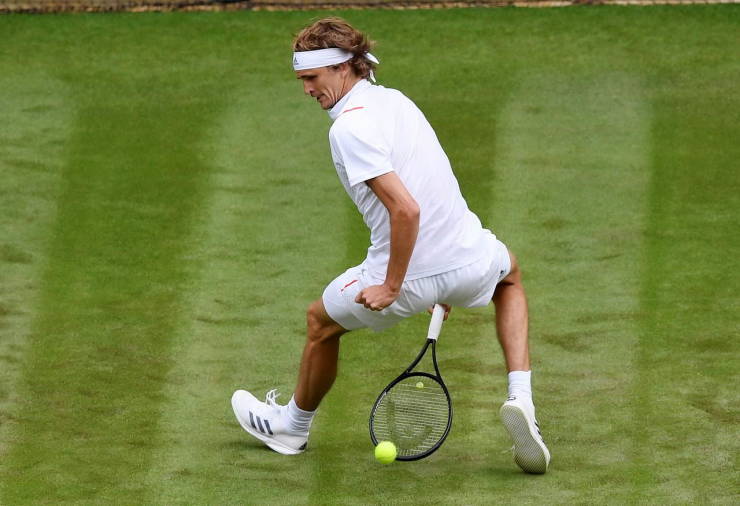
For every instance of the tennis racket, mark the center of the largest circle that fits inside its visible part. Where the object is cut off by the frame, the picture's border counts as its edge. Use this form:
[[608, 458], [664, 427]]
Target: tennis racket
[[414, 411]]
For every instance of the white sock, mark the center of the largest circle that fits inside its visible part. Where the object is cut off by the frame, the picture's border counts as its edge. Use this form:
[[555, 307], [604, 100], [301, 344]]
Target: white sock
[[298, 419], [520, 384]]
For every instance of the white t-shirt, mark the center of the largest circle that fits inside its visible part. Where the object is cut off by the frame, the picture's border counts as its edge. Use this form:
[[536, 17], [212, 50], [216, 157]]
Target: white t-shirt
[[377, 130]]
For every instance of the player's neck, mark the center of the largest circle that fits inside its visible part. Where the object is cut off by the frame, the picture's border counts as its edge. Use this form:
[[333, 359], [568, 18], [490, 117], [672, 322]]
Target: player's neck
[[348, 85]]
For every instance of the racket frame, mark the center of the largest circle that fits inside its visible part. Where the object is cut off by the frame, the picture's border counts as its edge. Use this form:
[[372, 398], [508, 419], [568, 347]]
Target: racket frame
[[434, 329]]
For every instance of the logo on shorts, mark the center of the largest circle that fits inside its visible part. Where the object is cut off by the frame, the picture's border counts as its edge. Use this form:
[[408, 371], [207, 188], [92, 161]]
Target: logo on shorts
[[348, 284]]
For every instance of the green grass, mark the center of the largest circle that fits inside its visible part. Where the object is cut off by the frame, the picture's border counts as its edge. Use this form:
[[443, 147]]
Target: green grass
[[168, 209]]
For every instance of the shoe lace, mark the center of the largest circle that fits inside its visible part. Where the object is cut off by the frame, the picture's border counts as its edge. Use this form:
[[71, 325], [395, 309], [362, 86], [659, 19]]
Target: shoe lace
[[270, 398]]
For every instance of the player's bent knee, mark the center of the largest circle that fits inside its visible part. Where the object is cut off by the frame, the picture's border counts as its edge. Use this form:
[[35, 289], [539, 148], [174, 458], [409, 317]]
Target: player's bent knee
[[313, 318], [319, 325], [515, 274]]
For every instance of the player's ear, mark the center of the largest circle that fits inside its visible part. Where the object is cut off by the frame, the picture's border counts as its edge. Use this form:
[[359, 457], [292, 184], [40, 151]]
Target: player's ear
[[344, 68]]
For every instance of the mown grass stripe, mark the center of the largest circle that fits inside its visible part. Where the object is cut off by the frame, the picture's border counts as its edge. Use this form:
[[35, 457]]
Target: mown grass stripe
[[572, 178], [685, 398], [259, 266], [33, 135], [99, 348]]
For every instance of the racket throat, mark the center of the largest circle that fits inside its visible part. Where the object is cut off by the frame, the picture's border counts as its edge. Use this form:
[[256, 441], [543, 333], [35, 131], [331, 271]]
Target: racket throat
[[421, 355]]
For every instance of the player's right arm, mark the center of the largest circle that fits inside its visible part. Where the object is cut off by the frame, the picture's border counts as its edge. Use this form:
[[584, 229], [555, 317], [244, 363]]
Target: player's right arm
[[403, 213], [364, 151]]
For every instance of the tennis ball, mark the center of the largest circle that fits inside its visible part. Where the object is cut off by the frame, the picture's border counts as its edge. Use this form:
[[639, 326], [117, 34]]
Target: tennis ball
[[419, 384], [385, 452]]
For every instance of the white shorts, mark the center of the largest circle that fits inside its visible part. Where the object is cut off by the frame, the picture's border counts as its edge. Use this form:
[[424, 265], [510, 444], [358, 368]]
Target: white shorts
[[469, 286]]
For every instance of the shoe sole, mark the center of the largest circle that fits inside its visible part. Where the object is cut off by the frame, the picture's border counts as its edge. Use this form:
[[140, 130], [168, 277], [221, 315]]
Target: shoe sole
[[530, 454], [274, 445]]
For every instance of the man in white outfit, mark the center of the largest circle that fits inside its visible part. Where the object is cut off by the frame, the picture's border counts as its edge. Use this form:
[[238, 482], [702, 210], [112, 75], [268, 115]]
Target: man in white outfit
[[426, 247]]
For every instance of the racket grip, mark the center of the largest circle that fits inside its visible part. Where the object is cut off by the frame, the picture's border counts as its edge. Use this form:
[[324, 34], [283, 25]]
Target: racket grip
[[435, 326]]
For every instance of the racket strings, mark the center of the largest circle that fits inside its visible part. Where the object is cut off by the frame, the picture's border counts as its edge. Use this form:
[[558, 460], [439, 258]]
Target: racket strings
[[413, 414]]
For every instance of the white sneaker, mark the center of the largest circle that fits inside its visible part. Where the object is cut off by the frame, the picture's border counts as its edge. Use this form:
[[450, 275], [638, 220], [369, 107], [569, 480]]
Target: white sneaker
[[530, 452], [267, 422]]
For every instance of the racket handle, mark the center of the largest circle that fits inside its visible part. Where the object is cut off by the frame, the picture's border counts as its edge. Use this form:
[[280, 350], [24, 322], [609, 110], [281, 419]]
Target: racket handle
[[435, 326]]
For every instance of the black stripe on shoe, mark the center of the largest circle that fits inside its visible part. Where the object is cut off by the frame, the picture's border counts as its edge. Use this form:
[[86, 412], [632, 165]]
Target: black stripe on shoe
[[538, 430], [259, 422], [251, 420], [267, 426]]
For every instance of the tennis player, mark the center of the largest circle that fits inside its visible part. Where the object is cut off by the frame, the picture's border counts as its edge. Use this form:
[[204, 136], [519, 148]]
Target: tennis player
[[426, 245]]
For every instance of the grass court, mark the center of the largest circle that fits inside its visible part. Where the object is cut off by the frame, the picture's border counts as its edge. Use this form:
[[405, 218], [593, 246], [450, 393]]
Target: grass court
[[168, 209]]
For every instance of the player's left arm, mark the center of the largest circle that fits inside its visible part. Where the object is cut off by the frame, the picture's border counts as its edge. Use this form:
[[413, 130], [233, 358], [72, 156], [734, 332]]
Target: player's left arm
[[403, 212]]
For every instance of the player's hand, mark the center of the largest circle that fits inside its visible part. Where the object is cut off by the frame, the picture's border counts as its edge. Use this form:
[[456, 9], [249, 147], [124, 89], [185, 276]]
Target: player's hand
[[376, 297], [447, 307]]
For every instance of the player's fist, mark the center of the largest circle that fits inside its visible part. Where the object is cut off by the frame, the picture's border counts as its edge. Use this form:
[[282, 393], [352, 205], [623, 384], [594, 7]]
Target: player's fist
[[376, 297]]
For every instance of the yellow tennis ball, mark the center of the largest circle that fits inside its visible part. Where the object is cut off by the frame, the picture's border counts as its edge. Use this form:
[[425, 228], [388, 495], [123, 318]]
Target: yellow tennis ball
[[385, 452], [419, 384]]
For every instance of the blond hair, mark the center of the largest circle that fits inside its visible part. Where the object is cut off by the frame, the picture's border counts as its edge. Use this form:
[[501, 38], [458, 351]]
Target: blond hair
[[336, 32]]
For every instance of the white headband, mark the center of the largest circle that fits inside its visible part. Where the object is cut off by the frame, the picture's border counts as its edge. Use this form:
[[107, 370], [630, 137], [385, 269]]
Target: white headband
[[304, 60]]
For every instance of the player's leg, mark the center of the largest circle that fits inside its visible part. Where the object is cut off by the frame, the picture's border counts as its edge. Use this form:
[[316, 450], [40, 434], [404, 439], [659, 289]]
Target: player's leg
[[512, 319], [285, 428], [320, 355], [518, 413]]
